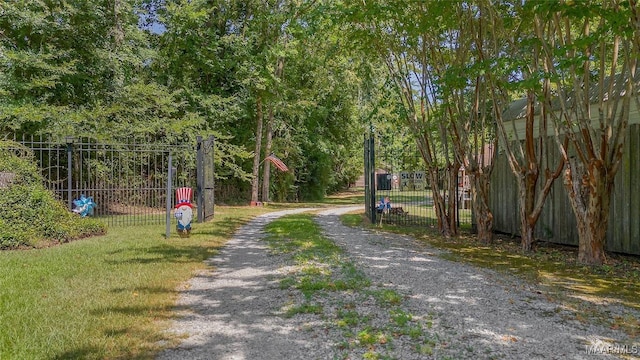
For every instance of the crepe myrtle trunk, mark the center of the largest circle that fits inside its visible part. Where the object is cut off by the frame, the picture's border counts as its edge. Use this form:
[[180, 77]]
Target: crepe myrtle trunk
[[439, 203], [444, 206], [527, 194], [481, 210], [452, 201], [589, 192]]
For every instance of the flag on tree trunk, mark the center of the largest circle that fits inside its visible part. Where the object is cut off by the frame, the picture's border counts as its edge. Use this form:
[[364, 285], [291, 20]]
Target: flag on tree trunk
[[277, 162]]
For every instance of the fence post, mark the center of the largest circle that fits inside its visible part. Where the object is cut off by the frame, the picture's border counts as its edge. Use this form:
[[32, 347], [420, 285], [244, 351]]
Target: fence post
[[168, 209], [212, 141], [69, 141], [200, 178], [367, 185], [458, 197], [372, 178]]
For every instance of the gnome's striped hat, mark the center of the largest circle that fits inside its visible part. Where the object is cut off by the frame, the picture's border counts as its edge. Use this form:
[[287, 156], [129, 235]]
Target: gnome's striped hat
[[183, 196]]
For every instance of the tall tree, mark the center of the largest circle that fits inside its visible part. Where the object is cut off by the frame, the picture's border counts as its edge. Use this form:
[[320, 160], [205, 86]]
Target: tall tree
[[201, 57], [278, 74], [266, 24], [321, 95], [510, 44], [404, 36], [465, 94], [589, 52], [231, 55], [63, 62]]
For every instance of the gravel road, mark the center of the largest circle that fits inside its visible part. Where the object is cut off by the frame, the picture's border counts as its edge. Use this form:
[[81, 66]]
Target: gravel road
[[235, 310]]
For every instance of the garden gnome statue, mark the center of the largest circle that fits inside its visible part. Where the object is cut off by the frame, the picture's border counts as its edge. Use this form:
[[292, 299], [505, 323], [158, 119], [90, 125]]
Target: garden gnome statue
[[184, 211]]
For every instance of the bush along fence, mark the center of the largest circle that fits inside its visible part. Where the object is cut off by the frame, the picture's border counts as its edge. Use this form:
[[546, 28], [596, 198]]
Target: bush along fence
[[129, 183]]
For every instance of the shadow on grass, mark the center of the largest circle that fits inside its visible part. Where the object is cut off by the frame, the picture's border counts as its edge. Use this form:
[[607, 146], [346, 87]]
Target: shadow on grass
[[81, 353], [159, 312], [144, 290], [218, 228], [166, 253], [203, 243]]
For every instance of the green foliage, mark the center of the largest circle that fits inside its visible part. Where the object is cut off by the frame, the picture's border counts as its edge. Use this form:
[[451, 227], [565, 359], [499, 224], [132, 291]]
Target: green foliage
[[387, 296], [91, 70], [314, 179], [349, 318], [305, 308], [400, 317], [368, 336], [29, 214]]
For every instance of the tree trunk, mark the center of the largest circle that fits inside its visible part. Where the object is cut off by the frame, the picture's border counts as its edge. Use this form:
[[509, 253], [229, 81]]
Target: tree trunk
[[266, 174], [452, 203], [590, 196], [444, 206], [480, 200], [255, 181], [527, 193], [266, 177], [439, 203], [526, 234], [118, 38]]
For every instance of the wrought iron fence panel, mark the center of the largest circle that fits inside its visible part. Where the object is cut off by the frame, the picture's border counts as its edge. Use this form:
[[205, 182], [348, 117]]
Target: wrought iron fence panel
[[127, 181]]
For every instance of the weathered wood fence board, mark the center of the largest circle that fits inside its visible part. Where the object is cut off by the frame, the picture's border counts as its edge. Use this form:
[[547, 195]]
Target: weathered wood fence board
[[557, 223]]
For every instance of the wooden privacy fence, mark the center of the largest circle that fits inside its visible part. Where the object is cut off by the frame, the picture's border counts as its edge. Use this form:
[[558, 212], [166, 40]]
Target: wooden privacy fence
[[557, 223]]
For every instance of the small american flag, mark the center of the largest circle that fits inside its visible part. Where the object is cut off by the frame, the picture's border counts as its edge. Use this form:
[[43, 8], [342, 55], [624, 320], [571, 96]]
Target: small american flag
[[277, 162]]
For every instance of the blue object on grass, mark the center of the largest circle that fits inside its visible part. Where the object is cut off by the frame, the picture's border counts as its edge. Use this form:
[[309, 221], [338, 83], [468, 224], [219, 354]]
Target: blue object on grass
[[84, 206]]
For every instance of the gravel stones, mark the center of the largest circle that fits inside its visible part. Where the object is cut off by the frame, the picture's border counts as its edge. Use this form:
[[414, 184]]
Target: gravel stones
[[236, 310]]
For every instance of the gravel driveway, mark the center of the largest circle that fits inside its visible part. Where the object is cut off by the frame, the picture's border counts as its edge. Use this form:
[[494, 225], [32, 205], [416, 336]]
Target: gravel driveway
[[235, 310]]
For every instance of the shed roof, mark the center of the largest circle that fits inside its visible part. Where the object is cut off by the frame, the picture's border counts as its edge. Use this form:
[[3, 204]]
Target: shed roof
[[518, 108]]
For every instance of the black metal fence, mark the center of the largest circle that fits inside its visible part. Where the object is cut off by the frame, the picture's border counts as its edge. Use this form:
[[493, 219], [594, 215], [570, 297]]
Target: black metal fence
[[399, 173], [129, 181]]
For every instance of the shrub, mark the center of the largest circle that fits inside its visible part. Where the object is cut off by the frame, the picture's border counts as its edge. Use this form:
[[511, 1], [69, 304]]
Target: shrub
[[30, 215]]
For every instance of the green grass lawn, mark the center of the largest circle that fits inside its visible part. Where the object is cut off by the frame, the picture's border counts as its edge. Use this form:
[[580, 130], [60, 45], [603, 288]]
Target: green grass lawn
[[110, 297], [103, 297]]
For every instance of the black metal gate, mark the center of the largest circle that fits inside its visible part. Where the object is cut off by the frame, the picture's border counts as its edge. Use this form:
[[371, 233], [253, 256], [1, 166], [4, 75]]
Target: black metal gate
[[399, 173], [129, 182], [369, 178]]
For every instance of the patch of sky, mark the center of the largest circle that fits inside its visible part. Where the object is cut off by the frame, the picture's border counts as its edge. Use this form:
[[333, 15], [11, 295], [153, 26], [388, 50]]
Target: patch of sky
[[148, 20]]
